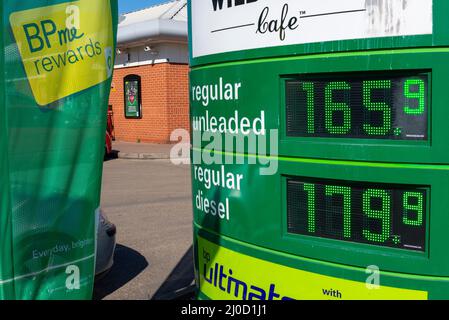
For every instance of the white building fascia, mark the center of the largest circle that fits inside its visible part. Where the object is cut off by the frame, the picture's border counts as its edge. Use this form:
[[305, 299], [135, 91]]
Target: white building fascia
[[153, 35]]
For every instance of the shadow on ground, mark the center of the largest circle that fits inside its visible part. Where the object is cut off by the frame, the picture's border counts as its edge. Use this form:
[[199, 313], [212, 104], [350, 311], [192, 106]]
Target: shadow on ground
[[179, 284], [128, 264], [112, 156]]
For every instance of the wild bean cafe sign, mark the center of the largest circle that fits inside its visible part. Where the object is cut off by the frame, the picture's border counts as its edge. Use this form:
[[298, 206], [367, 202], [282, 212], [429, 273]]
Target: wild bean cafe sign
[[220, 26]]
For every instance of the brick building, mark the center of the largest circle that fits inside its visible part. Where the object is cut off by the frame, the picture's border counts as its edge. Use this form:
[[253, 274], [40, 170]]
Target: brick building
[[149, 94]]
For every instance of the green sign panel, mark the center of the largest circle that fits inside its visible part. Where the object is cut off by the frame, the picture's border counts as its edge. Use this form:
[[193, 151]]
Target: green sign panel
[[57, 66], [321, 151]]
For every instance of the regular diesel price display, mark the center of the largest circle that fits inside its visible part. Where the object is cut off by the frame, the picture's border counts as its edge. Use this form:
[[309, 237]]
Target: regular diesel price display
[[358, 106], [384, 215]]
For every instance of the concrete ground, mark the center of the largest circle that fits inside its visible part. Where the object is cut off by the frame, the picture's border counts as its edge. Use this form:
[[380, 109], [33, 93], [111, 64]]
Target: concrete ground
[[150, 203], [143, 151]]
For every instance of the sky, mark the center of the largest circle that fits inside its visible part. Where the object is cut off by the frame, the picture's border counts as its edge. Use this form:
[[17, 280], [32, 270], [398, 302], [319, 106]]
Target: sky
[[132, 5]]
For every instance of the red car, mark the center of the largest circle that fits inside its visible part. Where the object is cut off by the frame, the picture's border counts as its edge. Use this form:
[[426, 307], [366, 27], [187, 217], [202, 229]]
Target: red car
[[108, 145], [109, 133]]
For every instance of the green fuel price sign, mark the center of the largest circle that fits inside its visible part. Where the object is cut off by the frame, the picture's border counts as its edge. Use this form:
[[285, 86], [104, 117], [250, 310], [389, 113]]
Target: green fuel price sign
[[385, 215], [358, 106], [346, 104]]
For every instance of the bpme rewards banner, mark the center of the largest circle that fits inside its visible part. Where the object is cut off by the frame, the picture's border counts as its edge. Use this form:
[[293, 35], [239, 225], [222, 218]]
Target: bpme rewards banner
[[57, 68]]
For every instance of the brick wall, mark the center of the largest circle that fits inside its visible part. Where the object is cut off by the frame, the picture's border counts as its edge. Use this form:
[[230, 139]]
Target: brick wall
[[165, 103]]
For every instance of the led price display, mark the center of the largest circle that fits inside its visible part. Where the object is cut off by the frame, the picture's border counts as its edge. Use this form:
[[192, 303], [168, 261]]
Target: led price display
[[358, 106], [384, 215]]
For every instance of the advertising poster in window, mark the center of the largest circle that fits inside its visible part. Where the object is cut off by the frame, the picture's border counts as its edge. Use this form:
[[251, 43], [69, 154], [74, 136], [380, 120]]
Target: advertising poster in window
[[133, 97]]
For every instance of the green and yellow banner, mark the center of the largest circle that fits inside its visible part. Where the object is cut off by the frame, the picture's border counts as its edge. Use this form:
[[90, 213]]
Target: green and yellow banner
[[57, 68]]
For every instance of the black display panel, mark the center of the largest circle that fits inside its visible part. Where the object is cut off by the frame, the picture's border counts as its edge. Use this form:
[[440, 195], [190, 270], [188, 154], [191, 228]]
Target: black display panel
[[361, 106], [383, 215]]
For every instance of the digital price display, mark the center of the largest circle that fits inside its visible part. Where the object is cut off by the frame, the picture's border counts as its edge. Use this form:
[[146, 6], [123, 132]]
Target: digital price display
[[384, 215], [358, 106]]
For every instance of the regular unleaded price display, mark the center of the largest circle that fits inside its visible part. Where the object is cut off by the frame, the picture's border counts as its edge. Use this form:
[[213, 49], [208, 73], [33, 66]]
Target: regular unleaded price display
[[391, 107], [384, 215]]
